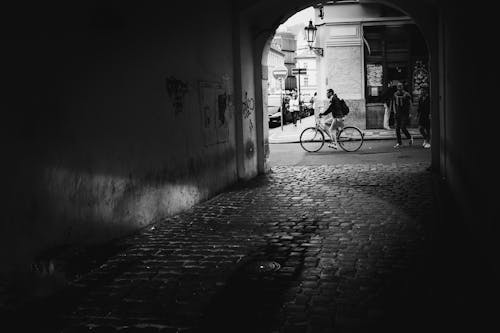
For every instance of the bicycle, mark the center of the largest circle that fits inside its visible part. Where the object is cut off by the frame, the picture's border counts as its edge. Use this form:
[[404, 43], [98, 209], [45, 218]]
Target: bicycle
[[349, 138]]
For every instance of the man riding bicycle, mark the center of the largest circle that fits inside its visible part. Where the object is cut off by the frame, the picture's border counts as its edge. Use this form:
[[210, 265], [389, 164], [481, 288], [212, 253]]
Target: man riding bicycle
[[336, 119]]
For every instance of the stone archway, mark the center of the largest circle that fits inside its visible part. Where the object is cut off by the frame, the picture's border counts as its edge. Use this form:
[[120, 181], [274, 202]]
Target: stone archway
[[262, 19]]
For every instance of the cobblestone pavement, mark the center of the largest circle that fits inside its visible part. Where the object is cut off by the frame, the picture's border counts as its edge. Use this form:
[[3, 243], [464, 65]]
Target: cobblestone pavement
[[302, 249]]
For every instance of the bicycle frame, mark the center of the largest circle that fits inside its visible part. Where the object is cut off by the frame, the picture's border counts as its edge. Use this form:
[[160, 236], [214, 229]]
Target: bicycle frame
[[320, 124]]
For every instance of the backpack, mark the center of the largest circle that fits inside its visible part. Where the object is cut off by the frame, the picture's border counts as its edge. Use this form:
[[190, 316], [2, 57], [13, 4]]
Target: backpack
[[344, 109]]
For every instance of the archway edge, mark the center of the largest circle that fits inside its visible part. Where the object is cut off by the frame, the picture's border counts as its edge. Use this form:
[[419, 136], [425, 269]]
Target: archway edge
[[264, 17]]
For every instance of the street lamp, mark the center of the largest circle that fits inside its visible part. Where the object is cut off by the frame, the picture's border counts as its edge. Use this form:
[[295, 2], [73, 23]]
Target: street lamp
[[311, 37]]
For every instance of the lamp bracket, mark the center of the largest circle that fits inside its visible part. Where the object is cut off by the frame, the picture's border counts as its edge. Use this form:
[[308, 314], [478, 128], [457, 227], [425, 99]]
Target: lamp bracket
[[317, 50]]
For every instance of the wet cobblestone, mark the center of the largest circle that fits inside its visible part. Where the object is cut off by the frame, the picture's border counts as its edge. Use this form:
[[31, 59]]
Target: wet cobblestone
[[351, 242]]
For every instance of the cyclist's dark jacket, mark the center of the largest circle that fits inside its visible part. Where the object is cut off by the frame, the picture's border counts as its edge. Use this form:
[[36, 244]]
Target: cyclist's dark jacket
[[334, 108]]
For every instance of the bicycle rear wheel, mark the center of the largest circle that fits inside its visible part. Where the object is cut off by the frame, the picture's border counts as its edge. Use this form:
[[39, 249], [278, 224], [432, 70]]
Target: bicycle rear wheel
[[312, 139], [350, 138]]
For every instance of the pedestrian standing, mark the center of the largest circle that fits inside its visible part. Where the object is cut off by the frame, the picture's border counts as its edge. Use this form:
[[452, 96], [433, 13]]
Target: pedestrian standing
[[402, 102], [294, 108], [314, 104], [387, 97], [423, 112]]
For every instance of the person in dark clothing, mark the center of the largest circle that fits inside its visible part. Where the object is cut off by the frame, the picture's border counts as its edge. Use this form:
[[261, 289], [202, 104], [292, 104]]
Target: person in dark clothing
[[336, 120], [402, 102], [423, 112]]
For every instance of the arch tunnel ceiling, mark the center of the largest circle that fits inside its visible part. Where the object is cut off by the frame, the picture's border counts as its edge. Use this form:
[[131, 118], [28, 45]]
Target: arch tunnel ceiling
[[264, 16], [285, 9]]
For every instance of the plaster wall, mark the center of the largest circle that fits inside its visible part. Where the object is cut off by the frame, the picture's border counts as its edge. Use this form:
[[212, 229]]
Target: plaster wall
[[342, 68], [105, 126], [344, 71], [247, 108], [352, 12], [275, 60]]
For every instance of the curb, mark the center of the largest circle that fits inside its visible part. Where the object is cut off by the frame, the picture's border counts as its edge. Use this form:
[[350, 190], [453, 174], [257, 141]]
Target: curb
[[366, 138]]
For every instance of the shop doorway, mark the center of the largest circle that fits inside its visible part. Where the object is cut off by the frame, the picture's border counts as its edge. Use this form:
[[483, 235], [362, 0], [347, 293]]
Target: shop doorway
[[393, 54]]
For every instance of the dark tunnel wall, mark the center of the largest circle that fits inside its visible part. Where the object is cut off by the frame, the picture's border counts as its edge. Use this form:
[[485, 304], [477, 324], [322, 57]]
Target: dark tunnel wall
[[104, 125], [470, 81]]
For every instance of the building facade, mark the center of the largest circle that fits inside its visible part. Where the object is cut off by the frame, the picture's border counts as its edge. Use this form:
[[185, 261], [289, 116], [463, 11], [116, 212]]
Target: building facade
[[275, 60], [288, 44], [307, 83], [367, 48]]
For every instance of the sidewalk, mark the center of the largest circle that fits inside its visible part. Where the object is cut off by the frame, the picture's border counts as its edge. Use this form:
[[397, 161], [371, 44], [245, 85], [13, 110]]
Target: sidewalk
[[291, 134]]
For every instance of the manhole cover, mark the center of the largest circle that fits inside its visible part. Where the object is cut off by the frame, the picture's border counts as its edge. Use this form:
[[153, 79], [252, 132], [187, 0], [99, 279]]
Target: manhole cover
[[265, 266]]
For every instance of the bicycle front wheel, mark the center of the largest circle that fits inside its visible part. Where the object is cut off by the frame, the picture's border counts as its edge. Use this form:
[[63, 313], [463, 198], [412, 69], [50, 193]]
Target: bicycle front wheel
[[312, 139], [350, 138]]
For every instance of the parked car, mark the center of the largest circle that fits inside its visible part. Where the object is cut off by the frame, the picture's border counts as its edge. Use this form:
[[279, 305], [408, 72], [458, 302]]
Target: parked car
[[274, 113]]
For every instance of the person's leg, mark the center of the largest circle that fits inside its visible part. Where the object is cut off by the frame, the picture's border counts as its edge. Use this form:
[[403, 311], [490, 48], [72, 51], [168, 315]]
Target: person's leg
[[327, 131], [421, 128], [325, 126], [428, 133], [333, 130], [404, 122], [397, 119], [428, 129], [333, 134]]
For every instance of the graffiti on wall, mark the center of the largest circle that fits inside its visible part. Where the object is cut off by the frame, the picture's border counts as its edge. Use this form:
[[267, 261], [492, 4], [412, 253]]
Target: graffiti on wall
[[214, 104], [227, 86], [177, 90], [248, 106]]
